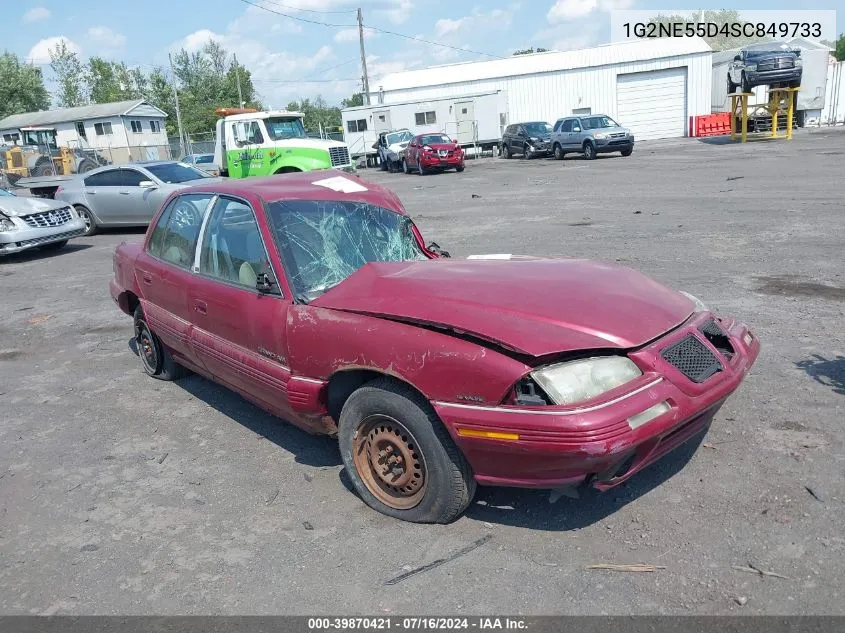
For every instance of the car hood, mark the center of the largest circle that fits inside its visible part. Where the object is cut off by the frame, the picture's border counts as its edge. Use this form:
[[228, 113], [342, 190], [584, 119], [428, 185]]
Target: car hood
[[398, 147], [439, 146], [531, 306], [20, 206]]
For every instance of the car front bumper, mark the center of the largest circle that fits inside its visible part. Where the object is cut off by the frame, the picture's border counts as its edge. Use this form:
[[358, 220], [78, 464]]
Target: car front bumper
[[614, 144], [430, 162], [24, 236], [767, 77], [566, 446]]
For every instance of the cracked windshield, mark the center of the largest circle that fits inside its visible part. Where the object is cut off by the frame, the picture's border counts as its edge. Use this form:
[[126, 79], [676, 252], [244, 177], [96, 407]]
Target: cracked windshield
[[323, 242]]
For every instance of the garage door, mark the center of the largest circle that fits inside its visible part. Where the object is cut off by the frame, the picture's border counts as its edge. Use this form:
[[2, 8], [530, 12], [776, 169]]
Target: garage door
[[653, 104]]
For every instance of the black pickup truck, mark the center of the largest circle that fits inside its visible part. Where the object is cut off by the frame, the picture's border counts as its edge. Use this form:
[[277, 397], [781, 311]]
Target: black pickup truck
[[764, 67]]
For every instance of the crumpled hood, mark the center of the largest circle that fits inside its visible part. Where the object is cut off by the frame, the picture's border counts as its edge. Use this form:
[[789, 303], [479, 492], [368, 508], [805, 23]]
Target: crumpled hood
[[18, 206], [533, 306]]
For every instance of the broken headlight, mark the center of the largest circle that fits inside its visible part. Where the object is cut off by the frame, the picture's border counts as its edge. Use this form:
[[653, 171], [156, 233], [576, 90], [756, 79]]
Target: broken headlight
[[580, 380], [6, 224]]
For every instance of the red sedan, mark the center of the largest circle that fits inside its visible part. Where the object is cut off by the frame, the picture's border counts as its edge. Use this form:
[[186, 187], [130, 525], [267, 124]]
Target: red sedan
[[432, 152], [315, 297]]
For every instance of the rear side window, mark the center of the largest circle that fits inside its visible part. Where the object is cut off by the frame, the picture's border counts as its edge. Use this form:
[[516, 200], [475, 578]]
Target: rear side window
[[511, 129], [174, 238], [108, 178]]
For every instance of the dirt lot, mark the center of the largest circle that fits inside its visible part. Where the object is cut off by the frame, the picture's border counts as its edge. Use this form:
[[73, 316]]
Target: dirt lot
[[122, 494]]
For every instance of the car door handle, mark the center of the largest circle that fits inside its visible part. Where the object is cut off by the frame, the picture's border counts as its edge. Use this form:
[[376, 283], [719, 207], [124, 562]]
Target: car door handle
[[124, 193], [201, 307], [147, 279]]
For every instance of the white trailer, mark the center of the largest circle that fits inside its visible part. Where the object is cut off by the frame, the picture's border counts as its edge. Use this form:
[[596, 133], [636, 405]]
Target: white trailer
[[473, 120]]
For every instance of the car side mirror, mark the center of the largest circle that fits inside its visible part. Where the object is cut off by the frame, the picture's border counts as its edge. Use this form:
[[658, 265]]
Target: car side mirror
[[147, 184], [264, 283], [576, 129], [434, 247]]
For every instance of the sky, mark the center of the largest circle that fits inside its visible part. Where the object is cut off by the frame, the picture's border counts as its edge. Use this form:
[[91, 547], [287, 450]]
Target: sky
[[293, 58]]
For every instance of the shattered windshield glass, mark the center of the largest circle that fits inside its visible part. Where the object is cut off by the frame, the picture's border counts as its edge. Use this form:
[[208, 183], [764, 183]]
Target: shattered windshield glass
[[399, 137], [322, 242]]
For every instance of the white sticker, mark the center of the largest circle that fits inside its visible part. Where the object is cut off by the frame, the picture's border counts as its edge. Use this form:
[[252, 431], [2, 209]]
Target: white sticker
[[491, 256], [339, 183]]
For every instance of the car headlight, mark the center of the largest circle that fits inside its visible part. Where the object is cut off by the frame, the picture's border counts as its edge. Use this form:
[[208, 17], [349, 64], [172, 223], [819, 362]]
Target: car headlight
[[751, 67], [534, 139], [700, 306], [6, 224], [579, 380], [73, 213], [600, 135]]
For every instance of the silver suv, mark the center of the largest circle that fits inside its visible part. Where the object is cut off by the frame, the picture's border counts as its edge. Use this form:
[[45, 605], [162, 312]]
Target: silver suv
[[590, 135]]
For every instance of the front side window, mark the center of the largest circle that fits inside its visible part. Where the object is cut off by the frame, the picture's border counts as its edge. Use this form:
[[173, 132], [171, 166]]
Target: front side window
[[323, 242], [175, 237], [131, 178], [232, 249], [170, 173], [281, 128], [566, 126]]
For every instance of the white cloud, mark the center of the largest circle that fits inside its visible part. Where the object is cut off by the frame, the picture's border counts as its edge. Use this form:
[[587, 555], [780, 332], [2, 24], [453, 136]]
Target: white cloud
[[444, 26], [40, 53], [351, 35], [105, 41], [36, 14], [399, 12], [566, 10], [566, 37]]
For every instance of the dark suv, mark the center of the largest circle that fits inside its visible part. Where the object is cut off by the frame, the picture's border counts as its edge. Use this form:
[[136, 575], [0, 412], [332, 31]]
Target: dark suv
[[529, 139], [764, 67]]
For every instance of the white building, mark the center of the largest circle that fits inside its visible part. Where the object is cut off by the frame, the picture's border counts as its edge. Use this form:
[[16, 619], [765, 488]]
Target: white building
[[122, 131], [651, 86]]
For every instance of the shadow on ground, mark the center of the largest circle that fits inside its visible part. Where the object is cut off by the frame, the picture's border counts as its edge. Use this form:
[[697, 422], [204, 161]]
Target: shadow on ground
[[34, 254], [828, 372]]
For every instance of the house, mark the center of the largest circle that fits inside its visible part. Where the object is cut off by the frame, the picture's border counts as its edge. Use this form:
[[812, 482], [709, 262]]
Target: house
[[122, 132], [650, 86]]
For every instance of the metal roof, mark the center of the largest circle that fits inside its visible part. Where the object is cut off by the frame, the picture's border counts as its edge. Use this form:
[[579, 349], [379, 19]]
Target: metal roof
[[618, 53], [64, 115]]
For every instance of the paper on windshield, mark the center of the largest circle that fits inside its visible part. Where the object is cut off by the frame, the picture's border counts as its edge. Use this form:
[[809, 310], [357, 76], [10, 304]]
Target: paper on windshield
[[341, 184]]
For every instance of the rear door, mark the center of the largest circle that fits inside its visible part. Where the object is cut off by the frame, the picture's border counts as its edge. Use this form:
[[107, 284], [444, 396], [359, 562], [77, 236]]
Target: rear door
[[165, 271], [239, 331]]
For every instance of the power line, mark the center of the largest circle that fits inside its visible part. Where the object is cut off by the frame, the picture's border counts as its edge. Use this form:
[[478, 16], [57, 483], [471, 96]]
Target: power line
[[419, 39], [287, 6], [299, 19]]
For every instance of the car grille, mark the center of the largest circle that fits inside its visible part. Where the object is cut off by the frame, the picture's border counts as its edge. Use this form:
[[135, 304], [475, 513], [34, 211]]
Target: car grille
[[48, 218], [339, 155], [778, 63], [52, 238], [618, 135], [692, 358]]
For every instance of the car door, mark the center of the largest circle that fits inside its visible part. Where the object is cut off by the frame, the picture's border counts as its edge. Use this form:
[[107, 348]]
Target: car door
[[132, 205], [101, 195], [576, 137], [411, 152], [165, 274], [564, 133], [518, 141], [239, 330]]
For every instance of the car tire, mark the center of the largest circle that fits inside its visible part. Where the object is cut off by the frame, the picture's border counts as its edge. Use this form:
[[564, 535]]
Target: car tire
[[43, 169], [156, 360], [420, 168], [436, 482], [405, 166], [526, 152], [731, 86], [506, 152], [627, 152], [85, 166], [459, 168], [558, 152], [589, 151], [87, 217], [54, 246], [745, 86]]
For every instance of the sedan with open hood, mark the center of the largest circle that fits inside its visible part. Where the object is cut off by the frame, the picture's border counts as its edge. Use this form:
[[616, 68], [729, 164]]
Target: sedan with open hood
[[316, 297]]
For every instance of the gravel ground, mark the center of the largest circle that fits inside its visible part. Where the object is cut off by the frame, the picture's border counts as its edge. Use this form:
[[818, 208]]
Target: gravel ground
[[124, 495]]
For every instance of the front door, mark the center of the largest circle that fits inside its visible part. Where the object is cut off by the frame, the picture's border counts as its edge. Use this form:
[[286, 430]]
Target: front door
[[465, 120], [101, 194], [164, 271], [239, 332], [135, 204], [249, 158]]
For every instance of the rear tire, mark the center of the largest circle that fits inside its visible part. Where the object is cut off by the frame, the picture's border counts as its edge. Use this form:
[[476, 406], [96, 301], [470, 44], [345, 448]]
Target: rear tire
[[506, 152], [156, 360], [400, 458], [405, 166], [87, 217], [589, 151], [54, 246]]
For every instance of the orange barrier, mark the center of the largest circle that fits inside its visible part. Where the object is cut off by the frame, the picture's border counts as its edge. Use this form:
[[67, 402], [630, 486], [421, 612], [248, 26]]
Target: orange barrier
[[710, 124]]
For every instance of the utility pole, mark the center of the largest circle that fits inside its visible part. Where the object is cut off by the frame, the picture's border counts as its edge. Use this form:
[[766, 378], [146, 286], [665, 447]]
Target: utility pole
[[178, 111], [238, 79], [363, 56]]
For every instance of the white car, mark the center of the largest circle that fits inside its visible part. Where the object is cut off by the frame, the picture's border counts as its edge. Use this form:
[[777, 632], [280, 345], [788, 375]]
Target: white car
[[391, 147], [36, 223]]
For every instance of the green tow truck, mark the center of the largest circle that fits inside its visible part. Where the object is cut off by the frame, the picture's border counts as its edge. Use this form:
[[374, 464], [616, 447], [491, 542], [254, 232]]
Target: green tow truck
[[252, 143]]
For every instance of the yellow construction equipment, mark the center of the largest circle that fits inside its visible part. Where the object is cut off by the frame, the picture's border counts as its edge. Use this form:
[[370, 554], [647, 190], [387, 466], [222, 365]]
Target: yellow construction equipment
[[781, 102]]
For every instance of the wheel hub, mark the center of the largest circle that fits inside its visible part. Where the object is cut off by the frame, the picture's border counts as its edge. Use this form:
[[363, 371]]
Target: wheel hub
[[389, 463]]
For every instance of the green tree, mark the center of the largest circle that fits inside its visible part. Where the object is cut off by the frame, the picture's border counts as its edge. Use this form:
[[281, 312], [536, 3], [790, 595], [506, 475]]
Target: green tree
[[21, 87], [354, 101], [317, 113], [159, 92], [110, 81], [724, 17], [839, 48], [528, 51], [69, 75]]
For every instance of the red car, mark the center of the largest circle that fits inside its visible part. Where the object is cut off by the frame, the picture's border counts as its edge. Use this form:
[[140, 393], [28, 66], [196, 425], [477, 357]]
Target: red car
[[430, 152], [316, 298]]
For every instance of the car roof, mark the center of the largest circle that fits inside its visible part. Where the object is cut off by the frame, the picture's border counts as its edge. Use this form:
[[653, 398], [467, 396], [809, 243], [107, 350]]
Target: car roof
[[301, 186]]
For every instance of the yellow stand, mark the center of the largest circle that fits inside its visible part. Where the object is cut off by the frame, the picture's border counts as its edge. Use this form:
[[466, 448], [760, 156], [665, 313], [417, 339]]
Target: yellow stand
[[780, 99]]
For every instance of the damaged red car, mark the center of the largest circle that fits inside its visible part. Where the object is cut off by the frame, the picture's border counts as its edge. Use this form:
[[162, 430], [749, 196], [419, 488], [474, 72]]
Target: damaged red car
[[432, 152], [316, 298]]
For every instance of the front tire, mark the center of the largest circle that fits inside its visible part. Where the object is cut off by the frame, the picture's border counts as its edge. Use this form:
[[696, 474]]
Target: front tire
[[88, 218], [526, 152], [745, 86], [506, 151], [420, 169], [156, 360], [559, 153], [627, 152], [459, 168], [399, 456], [405, 167], [589, 151]]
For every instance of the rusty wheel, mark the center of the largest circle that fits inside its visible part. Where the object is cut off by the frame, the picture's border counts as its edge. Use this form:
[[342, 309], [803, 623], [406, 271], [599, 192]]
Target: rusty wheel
[[387, 458]]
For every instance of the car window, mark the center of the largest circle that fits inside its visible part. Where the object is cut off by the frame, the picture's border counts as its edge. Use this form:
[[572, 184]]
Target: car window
[[510, 129], [180, 227], [205, 158], [131, 177], [108, 178], [576, 125], [175, 172], [232, 249], [566, 126], [322, 242]]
